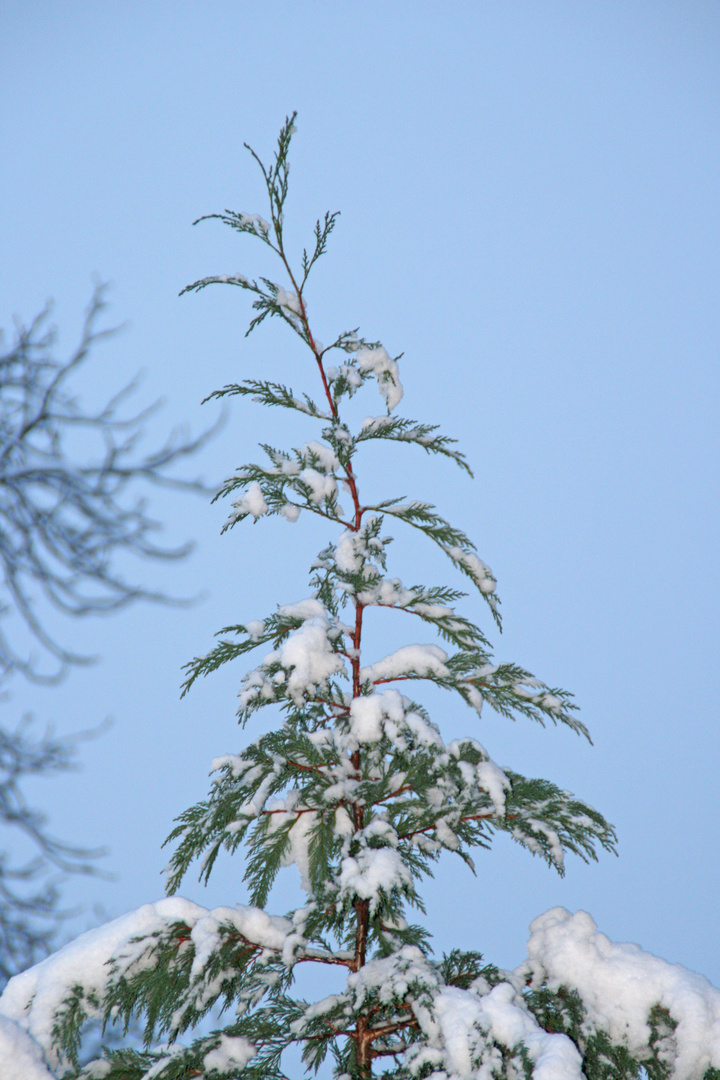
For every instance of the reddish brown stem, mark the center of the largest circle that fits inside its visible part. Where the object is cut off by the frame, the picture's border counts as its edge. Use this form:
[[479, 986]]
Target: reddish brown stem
[[323, 960], [362, 1035], [311, 768]]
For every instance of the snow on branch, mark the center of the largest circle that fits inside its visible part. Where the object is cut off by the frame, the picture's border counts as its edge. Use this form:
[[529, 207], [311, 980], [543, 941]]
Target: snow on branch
[[657, 1011]]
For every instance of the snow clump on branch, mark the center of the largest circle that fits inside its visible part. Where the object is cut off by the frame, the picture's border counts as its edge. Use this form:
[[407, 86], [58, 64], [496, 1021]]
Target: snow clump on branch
[[386, 372]]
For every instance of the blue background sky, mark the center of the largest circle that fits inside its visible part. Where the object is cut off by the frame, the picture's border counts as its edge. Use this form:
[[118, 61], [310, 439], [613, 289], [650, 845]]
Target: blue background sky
[[529, 197]]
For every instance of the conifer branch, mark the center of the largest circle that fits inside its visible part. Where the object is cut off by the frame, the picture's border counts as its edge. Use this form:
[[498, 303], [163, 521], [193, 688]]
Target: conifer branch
[[399, 429], [270, 393]]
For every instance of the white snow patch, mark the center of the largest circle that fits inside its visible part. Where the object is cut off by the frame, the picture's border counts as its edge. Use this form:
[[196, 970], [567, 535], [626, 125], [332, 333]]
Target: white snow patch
[[255, 221], [375, 870], [298, 852], [422, 660], [386, 372], [457, 1013], [324, 457], [495, 782], [307, 656], [368, 713], [302, 609], [34, 997], [21, 1057], [288, 300], [251, 502], [322, 485], [289, 511], [620, 983], [506, 1017], [232, 1052], [480, 572], [348, 552], [470, 1023]]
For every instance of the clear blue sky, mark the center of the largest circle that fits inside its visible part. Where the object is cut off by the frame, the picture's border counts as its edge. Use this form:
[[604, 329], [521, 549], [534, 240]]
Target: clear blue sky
[[529, 197]]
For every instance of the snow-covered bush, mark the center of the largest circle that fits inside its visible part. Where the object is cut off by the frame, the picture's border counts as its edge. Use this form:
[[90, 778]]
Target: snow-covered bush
[[356, 786]]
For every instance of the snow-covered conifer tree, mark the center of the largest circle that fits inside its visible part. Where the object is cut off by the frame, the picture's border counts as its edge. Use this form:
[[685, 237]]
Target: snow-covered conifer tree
[[356, 786]]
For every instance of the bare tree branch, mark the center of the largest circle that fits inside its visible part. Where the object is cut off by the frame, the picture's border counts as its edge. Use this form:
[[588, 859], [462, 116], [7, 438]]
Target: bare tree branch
[[66, 512], [30, 913], [69, 506]]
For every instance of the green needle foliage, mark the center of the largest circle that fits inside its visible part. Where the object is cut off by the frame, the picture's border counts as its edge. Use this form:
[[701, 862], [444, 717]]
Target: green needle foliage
[[354, 784]]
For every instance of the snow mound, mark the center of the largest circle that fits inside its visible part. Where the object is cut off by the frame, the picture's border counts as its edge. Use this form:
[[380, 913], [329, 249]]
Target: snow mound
[[619, 984], [20, 1056]]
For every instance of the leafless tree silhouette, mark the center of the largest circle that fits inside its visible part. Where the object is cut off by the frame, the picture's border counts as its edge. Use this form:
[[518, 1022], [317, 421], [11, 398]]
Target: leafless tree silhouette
[[70, 504]]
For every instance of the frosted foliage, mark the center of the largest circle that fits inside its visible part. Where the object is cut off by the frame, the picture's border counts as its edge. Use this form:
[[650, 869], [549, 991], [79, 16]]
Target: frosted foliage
[[480, 572], [255, 501], [470, 1027], [254, 924], [367, 715], [387, 714], [320, 463], [422, 660], [620, 983], [288, 300], [252, 502], [348, 553], [373, 872], [256, 222], [386, 372], [302, 664], [290, 512], [309, 658], [323, 456], [303, 609], [298, 851], [21, 1058], [495, 782], [322, 485], [357, 552], [34, 998], [231, 1052], [463, 1030]]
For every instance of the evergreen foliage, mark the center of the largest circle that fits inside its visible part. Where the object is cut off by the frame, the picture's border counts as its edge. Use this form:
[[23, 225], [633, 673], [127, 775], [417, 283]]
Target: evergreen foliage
[[356, 786]]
